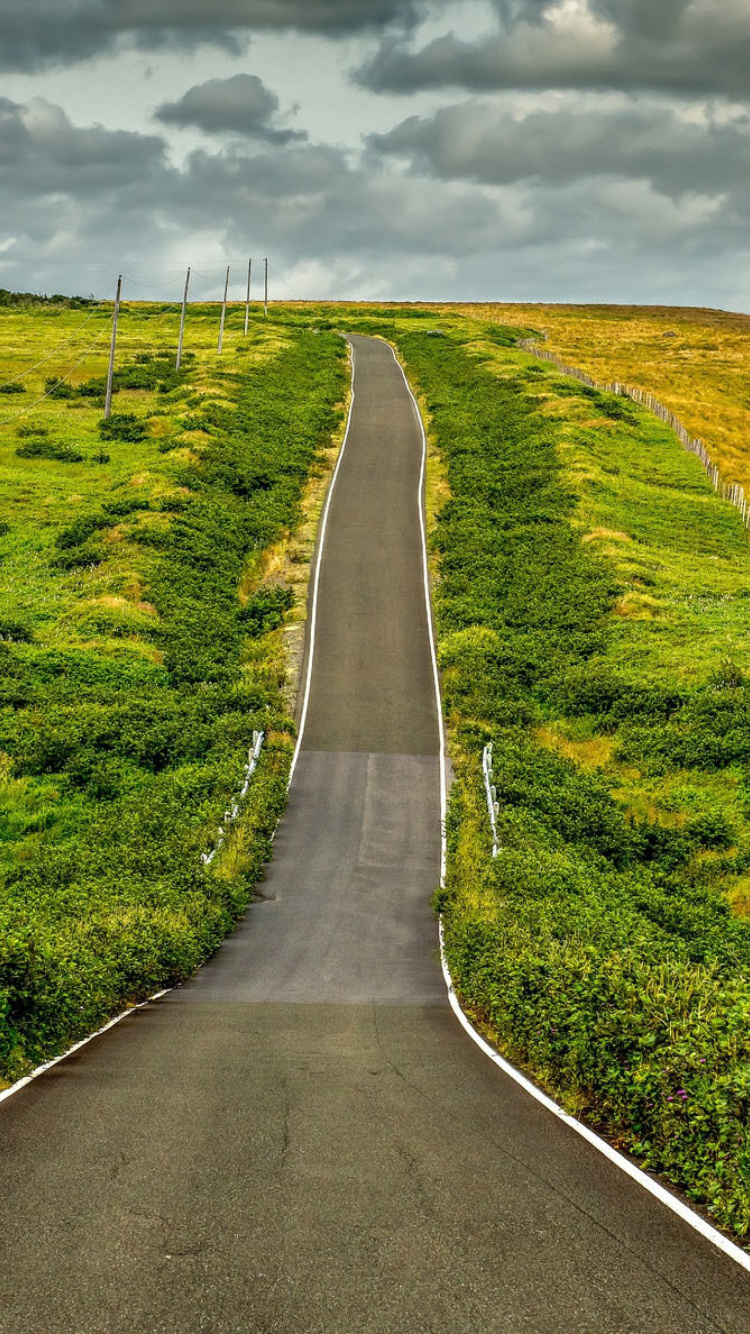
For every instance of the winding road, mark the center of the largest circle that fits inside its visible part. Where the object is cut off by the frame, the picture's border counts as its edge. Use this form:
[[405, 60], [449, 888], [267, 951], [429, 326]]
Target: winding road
[[303, 1140]]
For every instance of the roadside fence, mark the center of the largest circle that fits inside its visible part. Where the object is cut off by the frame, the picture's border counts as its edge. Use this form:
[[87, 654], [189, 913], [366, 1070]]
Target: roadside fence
[[491, 793], [235, 809], [730, 491]]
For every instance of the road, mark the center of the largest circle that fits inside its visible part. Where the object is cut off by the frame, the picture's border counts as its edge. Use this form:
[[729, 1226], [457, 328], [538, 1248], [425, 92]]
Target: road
[[303, 1140]]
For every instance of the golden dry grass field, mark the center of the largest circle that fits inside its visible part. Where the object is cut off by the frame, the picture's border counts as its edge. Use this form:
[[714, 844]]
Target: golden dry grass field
[[696, 361]]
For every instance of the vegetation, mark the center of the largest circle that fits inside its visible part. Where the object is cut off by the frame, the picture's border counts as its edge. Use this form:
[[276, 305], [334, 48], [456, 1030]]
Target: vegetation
[[591, 596], [139, 652], [26, 300]]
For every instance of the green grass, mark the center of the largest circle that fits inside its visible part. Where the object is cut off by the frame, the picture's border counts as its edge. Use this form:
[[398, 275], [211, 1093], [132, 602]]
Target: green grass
[[137, 661]]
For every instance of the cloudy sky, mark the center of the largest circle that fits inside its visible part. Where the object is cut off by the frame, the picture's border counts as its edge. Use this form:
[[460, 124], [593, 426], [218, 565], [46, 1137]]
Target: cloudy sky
[[564, 150]]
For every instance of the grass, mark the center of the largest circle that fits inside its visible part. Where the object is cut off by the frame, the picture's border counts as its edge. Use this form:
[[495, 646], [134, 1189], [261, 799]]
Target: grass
[[696, 361], [142, 644]]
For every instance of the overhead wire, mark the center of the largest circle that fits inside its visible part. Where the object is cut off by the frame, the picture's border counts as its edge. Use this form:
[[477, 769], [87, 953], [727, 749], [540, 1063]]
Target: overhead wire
[[22, 412], [158, 287], [61, 380], [27, 370]]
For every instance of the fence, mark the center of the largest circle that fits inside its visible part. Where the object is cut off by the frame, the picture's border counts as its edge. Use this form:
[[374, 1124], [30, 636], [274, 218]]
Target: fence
[[491, 793], [730, 491], [231, 815]]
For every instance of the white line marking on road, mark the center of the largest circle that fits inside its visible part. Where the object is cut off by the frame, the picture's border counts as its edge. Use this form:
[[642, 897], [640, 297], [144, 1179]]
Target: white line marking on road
[[316, 581], [48, 1065], [664, 1196]]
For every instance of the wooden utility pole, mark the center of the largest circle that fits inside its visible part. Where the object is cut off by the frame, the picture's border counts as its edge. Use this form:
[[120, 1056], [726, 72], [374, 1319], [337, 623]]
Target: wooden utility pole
[[247, 302], [112, 350], [223, 311], [182, 321], [265, 295]]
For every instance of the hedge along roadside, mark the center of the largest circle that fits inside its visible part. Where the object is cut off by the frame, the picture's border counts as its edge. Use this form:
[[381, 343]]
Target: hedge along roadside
[[114, 903], [588, 948]]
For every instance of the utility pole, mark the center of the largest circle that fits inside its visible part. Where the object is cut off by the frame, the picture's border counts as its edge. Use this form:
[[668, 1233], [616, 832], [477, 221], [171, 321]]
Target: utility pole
[[112, 349], [247, 302], [265, 297], [223, 311], [182, 321]]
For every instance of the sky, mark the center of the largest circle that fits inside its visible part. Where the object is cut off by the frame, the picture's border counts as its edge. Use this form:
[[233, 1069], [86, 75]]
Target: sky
[[479, 150]]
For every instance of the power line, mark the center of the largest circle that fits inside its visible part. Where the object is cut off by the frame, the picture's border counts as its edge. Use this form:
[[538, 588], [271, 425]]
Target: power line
[[27, 370], [63, 378]]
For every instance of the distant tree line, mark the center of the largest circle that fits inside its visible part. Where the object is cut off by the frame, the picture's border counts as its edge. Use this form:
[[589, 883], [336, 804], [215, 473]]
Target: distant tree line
[[35, 299]]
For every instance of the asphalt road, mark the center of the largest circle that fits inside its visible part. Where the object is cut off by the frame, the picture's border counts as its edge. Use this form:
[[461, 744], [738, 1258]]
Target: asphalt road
[[303, 1140]]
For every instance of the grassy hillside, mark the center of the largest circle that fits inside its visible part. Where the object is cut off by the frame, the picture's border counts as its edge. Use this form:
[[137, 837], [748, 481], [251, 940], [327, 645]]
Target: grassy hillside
[[591, 595], [696, 361], [140, 646]]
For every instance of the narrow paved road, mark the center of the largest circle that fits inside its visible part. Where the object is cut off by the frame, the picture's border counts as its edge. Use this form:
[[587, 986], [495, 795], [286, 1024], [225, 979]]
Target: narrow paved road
[[303, 1140]]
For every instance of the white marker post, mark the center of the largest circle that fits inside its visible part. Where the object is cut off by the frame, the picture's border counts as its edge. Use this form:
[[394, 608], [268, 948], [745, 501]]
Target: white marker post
[[265, 296], [112, 349]]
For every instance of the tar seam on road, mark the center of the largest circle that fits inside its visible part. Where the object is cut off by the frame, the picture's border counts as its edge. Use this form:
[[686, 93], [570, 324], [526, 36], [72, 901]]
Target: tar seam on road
[[665, 1197]]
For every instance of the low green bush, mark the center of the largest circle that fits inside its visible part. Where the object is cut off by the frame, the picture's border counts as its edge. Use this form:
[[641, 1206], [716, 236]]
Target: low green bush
[[266, 609], [123, 426], [41, 448]]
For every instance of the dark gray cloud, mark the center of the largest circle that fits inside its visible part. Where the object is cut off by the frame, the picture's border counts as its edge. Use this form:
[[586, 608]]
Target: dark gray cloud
[[309, 203], [611, 222], [35, 34], [240, 105], [481, 141], [46, 156], [685, 47]]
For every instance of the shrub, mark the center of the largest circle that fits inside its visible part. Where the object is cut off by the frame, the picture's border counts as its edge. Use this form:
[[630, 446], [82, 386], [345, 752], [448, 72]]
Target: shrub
[[40, 448], [31, 429], [55, 388], [123, 426], [265, 610], [14, 631]]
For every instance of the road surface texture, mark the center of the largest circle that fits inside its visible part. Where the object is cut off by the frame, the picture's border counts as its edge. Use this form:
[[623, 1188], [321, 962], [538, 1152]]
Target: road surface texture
[[303, 1140]]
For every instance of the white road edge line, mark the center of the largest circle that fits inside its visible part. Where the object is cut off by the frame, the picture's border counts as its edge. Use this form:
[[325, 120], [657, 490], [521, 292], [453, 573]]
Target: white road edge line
[[318, 567], [665, 1197], [48, 1065]]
